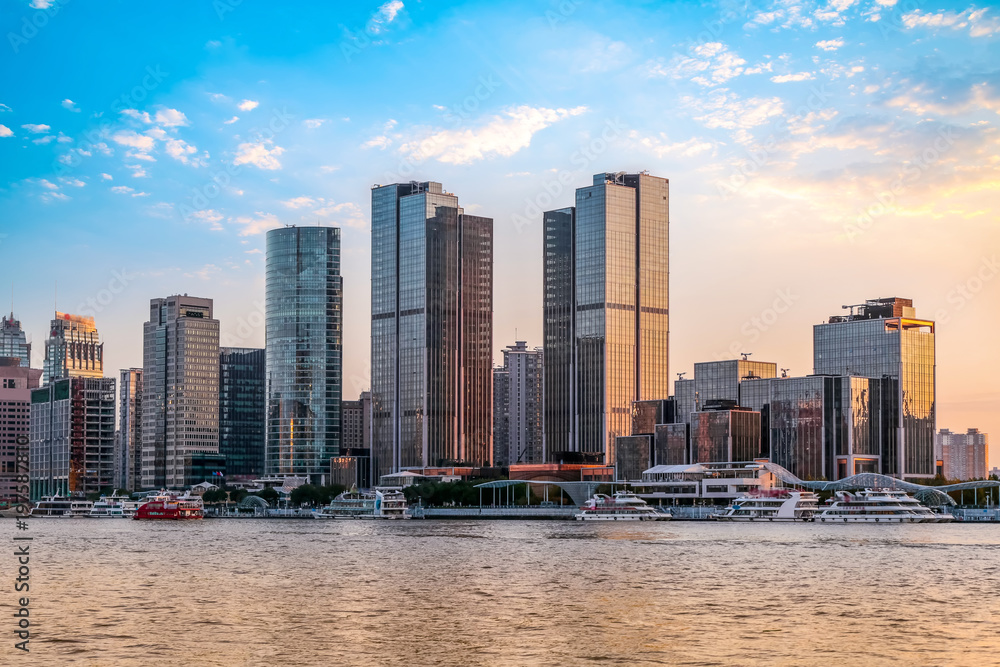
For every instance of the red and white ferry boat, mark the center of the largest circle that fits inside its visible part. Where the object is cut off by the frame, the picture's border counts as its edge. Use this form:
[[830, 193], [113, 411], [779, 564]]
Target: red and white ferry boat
[[170, 507]]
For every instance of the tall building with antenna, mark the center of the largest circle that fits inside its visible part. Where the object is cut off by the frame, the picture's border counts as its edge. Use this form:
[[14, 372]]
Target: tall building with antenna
[[73, 349], [14, 342]]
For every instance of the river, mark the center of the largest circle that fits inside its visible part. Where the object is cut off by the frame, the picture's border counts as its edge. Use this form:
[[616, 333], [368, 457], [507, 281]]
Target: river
[[300, 592]]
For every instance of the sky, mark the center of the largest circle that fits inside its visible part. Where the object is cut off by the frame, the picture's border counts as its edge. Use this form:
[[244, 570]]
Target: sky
[[819, 154]]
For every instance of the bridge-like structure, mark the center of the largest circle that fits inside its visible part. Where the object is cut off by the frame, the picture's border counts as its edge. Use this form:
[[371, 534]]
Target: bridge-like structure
[[928, 495]]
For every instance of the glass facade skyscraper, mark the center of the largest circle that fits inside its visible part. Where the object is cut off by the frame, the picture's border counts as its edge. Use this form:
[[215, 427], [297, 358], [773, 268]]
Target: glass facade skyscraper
[[304, 357], [618, 257], [180, 387], [559, 312], [432, 330], [73, 349], [242, 410], [129, 458], [13, 342], [885, 339]]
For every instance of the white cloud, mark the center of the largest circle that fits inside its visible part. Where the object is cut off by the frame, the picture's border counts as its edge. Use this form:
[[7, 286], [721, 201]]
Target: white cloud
[[210, 216], [36, 129], [5, 131], [711, 63], [231, 120], [661, 147], [728, 111], [329, 168], [63, 139], [41, 4], [260, 154], [107, 177], [975, 20], [385, 15], [502, 135], [383, 140], [830, 44], [75, 182], [140, 194], [137, 170], [171, 118], [49, 196], [299, 202], [47, 184], [313, 123], [135, 140], [138, 115], [785, 78], [4, 107], [257, 225], [122, 189], [138, 155], [179, 150], [44, 140], [71, 105], [213, 44], [248, 105]]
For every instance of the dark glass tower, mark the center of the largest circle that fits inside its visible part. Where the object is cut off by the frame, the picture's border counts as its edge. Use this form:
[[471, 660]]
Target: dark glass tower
[[619, 335], [304, 343], [242, 410], [882, 338], [432, 330]]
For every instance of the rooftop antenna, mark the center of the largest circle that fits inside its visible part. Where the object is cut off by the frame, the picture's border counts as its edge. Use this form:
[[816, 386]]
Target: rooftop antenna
[[852, 307], [680, 376], [784, 372], [745, 355]]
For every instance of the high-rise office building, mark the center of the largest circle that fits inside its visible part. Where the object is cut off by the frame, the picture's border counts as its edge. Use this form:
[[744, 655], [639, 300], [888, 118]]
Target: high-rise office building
[[180, 387], [501, 416], [13, 341], [614, 244], [73, 349], [432, 329], [304, 358], [356, 418], [72, 437], [884, 338], [519, 392], [16, 383], [128, 452], [242, 410], [720, 380], [964, 454]]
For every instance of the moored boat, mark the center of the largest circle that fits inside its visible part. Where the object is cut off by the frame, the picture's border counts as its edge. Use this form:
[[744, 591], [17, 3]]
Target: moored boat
[[170, 507], [51, 506], [113, 507], [623, 506], [385, 503], [772, 505], [877, 506]]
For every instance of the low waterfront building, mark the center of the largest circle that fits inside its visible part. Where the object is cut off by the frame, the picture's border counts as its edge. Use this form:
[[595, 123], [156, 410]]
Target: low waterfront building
[[709, 483]]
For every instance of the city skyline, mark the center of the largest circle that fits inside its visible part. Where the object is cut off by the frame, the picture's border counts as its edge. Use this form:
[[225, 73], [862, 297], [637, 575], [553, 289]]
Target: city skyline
[[727, 101]]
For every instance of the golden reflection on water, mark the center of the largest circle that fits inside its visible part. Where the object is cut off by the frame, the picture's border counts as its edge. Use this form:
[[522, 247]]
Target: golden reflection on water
[[246, 592]]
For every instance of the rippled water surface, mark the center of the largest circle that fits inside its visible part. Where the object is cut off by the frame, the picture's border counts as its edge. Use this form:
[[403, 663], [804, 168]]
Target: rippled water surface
[[294, 592]]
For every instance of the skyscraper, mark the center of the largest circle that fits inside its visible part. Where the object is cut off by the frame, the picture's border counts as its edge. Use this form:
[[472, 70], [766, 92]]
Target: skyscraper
[[432, 329], [518, 437], [883, 338], [16, 383], [180, 393], [615, 244], [129, 455], [242, 410], [13, 342], [304, 343], [72, 437], [73, 349]]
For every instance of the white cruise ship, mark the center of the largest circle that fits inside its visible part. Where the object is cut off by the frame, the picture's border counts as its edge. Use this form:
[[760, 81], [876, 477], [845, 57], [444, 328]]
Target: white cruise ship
[[51, 506], [113, 507], [772, 505], [388, 503], [624, 506], [878, 506]]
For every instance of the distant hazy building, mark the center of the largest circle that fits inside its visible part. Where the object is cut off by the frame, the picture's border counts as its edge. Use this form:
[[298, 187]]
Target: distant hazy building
[[242, 410], [16, 383], [13, 341], [965, 454], [72, 437], [304, 321], [517, 390], [73, 349], [883, 338], [356, 417], [432, 330], [128, 451], [614, 244], [180, 393]]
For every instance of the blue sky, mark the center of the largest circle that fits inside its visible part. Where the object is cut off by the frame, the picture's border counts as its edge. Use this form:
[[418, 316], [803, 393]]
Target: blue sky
[[819, 154]]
